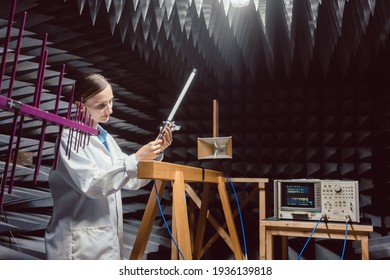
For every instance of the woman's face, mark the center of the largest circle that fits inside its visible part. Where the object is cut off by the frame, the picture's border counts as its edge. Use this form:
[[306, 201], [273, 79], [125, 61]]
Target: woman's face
[[100, 106]]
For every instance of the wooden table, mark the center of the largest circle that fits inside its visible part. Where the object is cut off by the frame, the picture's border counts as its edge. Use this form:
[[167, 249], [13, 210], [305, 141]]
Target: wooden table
[[191, 242], [286, 228]]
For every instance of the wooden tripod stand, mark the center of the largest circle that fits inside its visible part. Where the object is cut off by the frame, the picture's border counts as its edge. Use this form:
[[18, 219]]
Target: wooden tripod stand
[[181, 176]]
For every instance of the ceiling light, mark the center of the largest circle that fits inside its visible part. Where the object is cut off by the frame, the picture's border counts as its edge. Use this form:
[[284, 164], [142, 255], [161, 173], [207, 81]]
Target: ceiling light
[[239, 3]]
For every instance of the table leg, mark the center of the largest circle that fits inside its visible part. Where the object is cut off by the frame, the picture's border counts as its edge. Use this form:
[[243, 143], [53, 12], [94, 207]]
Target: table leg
[[147, 223], [202, 222], [284, 247], [229, 219], [181, 216], [365, 253], [263, 242], [269, 245]]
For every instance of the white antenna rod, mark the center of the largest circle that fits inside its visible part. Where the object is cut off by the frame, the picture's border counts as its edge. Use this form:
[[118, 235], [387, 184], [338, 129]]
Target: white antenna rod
[[181, 96]]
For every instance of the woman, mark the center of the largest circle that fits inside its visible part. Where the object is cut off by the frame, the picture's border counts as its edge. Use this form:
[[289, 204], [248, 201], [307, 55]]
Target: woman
[[86, 188]]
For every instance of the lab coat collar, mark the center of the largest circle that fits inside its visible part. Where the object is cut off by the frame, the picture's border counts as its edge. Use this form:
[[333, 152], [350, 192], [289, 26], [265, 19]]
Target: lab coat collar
[[102, 133], [97, 140], [102, 136]]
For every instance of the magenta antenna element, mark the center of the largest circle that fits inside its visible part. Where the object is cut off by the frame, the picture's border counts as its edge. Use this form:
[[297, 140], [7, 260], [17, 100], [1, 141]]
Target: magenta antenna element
[[36, 113]]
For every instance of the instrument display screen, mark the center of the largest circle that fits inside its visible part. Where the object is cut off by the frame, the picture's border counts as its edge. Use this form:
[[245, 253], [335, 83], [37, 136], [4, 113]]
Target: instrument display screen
[[298, 195]]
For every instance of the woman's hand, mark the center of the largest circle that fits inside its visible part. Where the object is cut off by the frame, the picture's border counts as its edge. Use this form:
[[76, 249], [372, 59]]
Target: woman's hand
[[167, 138], [153, 148]]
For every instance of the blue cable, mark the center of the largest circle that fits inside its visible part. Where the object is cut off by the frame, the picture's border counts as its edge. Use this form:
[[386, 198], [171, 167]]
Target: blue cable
[[345, 240], [241, 220], [165, 221], [303, 249]]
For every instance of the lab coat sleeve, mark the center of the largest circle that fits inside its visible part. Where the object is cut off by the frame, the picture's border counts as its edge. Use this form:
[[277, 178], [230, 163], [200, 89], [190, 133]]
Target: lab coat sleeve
[[131, 164], [83, 173]]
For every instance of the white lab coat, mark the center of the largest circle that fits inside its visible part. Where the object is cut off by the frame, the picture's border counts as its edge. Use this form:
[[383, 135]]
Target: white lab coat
[[87, 220]]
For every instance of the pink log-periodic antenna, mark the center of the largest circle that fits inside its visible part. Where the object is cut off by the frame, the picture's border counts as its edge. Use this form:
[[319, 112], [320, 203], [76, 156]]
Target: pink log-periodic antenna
[[7, 39], [33, 111]]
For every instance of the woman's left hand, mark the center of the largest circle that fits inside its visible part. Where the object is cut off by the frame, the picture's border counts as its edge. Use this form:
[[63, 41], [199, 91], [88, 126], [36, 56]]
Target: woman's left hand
[[167, 138]]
